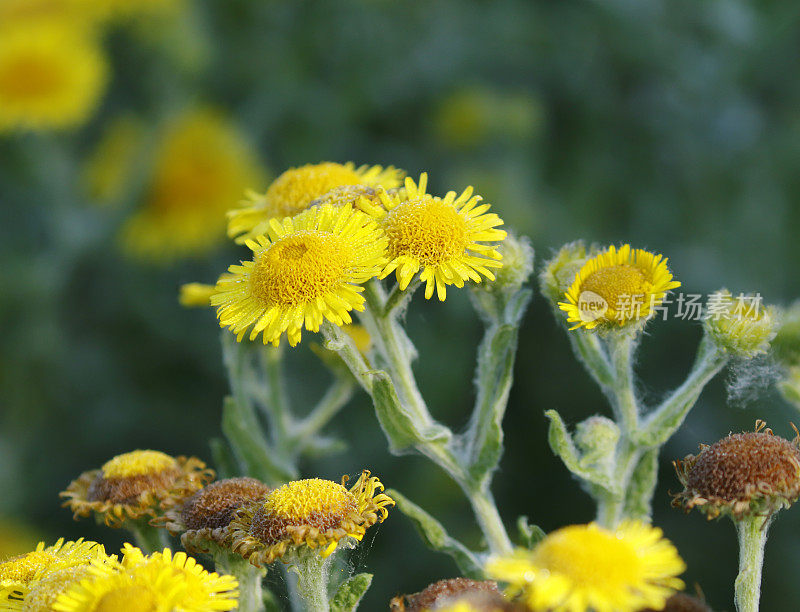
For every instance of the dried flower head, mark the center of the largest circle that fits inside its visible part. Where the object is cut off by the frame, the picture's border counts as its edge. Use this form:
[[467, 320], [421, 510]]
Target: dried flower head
[[308, 514], [616, 287], [132, 485], [453, 594], [306, 269], [746, 474], [205, 516], [444, 238], [587, 567], [297, 188]]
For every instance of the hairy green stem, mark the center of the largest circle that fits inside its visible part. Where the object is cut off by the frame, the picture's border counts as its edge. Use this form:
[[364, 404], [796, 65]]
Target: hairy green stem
[[251, 592], [485, 509], [622, 343], [752, 532], [331, 403], [312, 582], [148, 538]]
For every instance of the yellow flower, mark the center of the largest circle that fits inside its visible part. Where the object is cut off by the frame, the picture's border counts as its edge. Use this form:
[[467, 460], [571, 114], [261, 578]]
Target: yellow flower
[[51, 75], [19, 574], [306, 269], [296, 189], [75, 12], [443, 237], [586, 567], [205, 516], [617, 286], [201, 166], [110, 167], [308, 514], [159, 582], [130, 486], [44, 592], [195, 295]]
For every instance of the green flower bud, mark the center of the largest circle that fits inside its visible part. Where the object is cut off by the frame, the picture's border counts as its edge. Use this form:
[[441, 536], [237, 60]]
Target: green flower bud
[[596, 438], [517, 261], [559, 271], [786, 344], [740, 325]]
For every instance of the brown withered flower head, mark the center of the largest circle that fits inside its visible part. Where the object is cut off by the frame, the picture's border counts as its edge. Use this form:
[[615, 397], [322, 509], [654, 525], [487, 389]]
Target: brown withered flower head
[[746, 474], [445, 594], [203, 518], [133, 485]]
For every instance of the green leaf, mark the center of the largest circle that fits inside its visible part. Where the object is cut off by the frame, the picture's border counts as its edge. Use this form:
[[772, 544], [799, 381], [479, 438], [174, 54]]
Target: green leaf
[[349, 594], [398, 424], [530, 535], [563, 446], [250, 447], [436, 537]]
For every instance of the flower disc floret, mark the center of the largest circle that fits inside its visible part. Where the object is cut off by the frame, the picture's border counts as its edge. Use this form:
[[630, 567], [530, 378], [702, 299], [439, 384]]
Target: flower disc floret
[[617, 287], [297, 189], [741, 475], [587, 567], [132, 485], [306, 269], [311, 514], [19, 574], [444, 238]]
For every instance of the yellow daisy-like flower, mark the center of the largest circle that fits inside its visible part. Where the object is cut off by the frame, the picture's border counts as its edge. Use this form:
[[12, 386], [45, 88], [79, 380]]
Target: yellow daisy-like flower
[[132, 485], [296, 189], [202, 165], [443, 237], [586, 567], [45, 591], [313, 514], [19, 574], [161, 582], [306, 269], [51, 75], [616, 287]]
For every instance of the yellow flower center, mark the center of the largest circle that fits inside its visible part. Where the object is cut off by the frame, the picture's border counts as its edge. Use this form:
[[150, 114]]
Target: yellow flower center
[[314, 502], [613, 283], [30, 77], [294, 190], [23, 568], [299, 268], [590, 557], [134, 598], [426, 229], [45, 592], [138, 463]]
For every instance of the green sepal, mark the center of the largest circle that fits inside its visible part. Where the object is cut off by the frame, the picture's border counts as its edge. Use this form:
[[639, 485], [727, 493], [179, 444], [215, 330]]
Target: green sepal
[[397, 423], [530, 535], [349, 594], [250, 447], [562, 445], [436, 537]]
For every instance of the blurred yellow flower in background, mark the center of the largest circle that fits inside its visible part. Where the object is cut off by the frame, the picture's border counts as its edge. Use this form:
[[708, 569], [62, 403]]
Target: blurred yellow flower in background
[[52, 74], [297, 189], [202, 165], [77, 11], [111, 165]]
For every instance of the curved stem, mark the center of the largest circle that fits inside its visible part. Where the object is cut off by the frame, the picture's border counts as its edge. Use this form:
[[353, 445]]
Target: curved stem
[[331, 403], [485, 509], [752, 532]]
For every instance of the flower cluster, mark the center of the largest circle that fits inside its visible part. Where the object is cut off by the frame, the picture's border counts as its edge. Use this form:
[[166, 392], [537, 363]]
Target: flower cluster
[[323, 230]]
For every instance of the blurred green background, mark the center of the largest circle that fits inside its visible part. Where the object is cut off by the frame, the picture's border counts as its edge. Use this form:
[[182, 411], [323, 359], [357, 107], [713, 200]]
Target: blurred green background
[[671, 125]]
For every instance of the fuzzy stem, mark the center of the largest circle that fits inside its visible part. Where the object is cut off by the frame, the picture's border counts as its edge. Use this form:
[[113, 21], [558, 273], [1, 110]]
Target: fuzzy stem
[[148, 538], [485, 509], [312, 582], [752, 532], [251, 593], [621, 346], [331, 403]]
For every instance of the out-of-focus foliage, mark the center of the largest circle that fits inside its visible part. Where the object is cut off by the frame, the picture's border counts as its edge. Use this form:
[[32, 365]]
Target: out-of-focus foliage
[[672, 126]]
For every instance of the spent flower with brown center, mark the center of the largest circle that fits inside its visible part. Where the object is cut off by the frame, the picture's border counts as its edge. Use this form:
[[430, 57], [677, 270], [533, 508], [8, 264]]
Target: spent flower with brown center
[[745, 474], [204, 517], [445, 594], [132, 485]]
